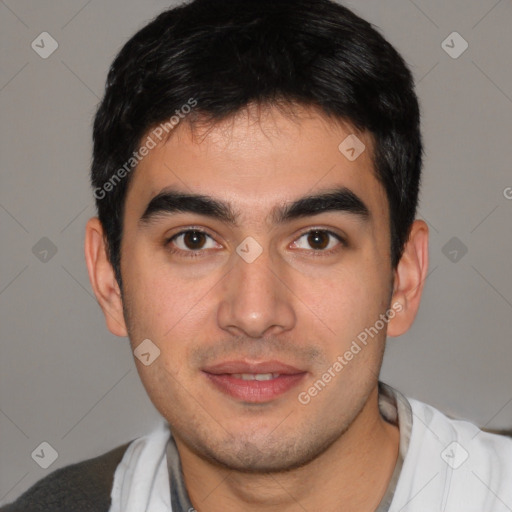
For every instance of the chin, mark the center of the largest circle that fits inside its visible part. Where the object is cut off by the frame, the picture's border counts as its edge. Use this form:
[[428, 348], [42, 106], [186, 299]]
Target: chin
[[261, 456]]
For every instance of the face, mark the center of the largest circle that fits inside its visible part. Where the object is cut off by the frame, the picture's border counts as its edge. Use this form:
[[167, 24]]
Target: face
[[253, 289]]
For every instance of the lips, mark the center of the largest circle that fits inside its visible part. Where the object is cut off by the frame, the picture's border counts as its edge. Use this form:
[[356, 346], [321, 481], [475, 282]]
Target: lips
[[254, 382], [238, 367]]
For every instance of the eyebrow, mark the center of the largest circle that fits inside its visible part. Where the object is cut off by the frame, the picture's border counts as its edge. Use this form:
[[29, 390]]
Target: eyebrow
[[170, 201]]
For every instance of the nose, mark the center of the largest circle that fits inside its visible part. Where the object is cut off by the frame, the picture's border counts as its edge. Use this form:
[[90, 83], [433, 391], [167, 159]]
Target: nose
[[256, 299]]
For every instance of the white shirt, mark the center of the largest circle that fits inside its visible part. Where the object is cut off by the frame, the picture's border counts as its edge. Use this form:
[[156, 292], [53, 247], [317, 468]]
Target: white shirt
[[445, 465]]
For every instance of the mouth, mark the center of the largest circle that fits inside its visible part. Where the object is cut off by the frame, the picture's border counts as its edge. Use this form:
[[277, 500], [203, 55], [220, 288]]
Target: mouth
[[254, 382]]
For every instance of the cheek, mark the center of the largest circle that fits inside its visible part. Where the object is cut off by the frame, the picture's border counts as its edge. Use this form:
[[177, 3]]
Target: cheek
[[351, 301], [352, 291], [167, 308], [154, 291]]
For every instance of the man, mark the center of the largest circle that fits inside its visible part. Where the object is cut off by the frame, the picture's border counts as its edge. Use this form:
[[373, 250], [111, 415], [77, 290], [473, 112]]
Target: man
[[256, 172]]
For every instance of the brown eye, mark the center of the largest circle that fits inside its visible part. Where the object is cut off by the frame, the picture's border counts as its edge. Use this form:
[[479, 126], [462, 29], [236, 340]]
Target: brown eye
[[194, 239], [190, 241], [319, 240]]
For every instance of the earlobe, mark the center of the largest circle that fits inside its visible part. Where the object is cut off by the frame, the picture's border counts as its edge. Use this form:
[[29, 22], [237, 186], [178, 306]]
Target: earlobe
[[102, 278], [410, 276]]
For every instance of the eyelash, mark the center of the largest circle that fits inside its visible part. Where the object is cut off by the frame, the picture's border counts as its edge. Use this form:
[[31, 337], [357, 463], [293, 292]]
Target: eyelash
[[199, 253]]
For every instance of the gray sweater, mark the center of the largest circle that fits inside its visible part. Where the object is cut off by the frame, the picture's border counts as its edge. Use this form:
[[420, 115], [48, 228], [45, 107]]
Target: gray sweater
[[81, 487]]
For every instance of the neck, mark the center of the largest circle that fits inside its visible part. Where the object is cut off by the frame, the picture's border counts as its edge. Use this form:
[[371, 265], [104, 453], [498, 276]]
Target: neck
[[354, 471]]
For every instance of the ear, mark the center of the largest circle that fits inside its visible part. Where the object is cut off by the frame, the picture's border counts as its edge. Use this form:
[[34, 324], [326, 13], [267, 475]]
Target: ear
[[409, 278], [102, 277]]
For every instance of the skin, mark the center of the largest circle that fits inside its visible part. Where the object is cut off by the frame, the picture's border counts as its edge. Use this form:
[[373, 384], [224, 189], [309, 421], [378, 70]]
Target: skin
[[290, 305]]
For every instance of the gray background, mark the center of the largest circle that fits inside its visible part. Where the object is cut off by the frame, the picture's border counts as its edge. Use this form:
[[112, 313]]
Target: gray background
[[67, 381]]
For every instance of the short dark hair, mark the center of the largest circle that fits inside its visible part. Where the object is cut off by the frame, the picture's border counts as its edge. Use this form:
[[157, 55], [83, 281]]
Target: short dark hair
[[227, 54]]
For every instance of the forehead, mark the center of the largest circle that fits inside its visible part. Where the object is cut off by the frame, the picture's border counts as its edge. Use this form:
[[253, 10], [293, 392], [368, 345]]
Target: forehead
[[257, 159]]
